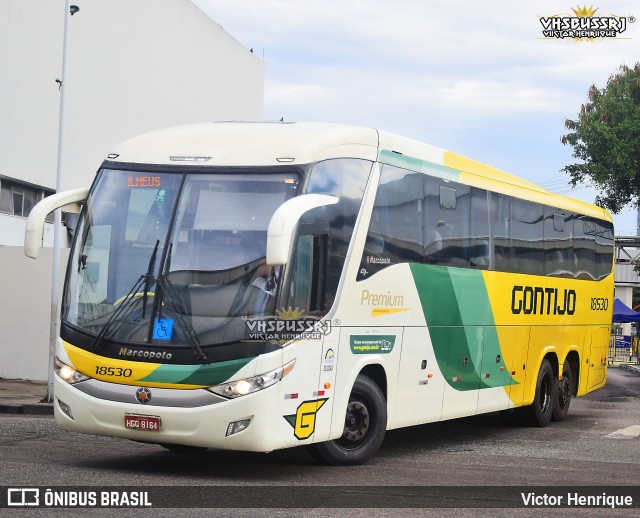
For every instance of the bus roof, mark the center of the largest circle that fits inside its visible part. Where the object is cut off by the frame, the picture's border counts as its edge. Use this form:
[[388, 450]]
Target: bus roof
[[250, 144], [278, 143], [415, 155]]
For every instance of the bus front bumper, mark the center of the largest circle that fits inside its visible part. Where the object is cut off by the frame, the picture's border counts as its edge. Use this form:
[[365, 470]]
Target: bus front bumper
[[206, 426]]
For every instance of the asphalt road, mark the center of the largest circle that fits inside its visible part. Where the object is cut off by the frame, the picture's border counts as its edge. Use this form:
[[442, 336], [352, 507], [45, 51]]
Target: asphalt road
[[598, 444]]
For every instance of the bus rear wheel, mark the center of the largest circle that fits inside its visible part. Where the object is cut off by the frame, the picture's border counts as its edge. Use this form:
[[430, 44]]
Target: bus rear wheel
[[364, 427], [539, 413], [565, 393]]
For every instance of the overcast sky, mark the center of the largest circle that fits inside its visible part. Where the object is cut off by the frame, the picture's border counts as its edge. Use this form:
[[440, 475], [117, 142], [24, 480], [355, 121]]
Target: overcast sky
[[476, 78]]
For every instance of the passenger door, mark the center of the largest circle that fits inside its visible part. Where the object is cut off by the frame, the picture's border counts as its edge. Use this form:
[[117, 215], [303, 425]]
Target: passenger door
[[420, 382]]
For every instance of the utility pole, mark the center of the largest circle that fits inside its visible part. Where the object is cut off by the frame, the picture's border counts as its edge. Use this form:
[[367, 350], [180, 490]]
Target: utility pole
[[69, 11]]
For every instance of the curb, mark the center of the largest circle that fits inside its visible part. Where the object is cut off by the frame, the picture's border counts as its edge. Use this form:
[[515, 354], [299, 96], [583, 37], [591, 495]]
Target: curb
[[27, 408], [633, 368], [24, 397]]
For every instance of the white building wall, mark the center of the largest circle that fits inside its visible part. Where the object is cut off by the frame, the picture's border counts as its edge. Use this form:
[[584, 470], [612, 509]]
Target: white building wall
[[12, 231], [133, 66], [25, 306]]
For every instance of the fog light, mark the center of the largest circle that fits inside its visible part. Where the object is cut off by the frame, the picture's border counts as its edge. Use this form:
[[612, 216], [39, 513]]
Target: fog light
[[237, 426], [66, 409]]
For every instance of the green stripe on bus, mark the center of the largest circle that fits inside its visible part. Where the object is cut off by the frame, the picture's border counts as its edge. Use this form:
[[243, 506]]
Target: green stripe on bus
[[479, 326], [419, 166], [205, 375], [456, 307]]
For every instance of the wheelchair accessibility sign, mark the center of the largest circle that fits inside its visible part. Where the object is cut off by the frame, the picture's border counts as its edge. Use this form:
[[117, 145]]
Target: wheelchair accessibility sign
[[163, 329]]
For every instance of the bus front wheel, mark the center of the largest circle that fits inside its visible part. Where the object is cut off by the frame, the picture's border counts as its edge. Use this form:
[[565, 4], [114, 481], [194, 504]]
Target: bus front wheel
[[364, 427], [540, 412]]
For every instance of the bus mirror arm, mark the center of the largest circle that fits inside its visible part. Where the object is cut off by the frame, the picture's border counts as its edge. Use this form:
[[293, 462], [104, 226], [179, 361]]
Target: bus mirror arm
[[284, 221], [36, 219]]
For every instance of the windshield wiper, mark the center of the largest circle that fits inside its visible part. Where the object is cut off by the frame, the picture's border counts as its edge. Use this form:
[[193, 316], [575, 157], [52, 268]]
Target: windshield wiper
[[129, 299], [148, 277], [163, 287]]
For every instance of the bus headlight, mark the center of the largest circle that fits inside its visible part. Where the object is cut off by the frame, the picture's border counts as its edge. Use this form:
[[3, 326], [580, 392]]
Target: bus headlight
[[67, 373], [246, 386]]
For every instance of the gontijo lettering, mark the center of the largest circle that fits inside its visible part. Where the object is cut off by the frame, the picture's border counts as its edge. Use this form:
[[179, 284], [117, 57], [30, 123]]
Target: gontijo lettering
[[537, 300]]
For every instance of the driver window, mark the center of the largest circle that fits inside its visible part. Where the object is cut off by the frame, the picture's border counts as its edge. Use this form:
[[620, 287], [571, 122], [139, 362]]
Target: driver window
[[300, 286]]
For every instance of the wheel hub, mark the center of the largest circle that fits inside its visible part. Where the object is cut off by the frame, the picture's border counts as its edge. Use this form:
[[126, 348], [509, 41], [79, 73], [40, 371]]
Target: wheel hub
[[356, 423]]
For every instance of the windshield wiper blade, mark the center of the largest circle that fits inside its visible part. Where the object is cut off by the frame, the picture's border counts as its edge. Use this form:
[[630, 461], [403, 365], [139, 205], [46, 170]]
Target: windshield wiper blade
[[183, 321], [148, 277], [129, 299], [126, 303], [163, 287]]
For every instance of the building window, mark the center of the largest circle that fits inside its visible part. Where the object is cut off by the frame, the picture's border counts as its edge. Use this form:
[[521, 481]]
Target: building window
[[18, 199]]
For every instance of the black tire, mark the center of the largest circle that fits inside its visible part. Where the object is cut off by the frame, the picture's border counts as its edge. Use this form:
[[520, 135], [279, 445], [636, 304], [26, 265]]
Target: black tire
[[365, 426], [565, 393], [539, 413]]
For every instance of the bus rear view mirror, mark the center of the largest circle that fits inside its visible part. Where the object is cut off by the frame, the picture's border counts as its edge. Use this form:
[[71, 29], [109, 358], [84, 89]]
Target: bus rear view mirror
[[36, 219], [284, 221]]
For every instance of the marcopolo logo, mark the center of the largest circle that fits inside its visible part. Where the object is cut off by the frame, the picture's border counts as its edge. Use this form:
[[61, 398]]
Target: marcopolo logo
[[287, 325], [144, 354], [583, 25]]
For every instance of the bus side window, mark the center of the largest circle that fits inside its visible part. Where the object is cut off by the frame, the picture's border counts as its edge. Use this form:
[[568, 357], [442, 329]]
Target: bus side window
[[527, 236], [308, 285], [558, 242], [433, 221], [300, 275], [500, 224], [604, 249], [346, 179], [321, 269], [480, 238], [395, 228], [447, 223], [584, 245]]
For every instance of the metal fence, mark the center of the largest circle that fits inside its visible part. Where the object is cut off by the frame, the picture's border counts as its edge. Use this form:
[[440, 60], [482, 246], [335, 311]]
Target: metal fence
[[624, 349]]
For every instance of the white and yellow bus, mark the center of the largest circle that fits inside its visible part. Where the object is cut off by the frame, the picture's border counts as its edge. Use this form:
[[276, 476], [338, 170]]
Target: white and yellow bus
[[256, 286]]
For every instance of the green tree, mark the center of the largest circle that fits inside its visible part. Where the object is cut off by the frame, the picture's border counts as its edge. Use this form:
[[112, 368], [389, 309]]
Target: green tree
[[606, 139]]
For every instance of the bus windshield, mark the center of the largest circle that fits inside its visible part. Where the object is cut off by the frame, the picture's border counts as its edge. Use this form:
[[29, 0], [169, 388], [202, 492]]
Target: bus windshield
[[174, 256]]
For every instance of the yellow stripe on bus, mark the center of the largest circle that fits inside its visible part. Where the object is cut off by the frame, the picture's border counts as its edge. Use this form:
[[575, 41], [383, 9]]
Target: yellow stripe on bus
[[113, 370]]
